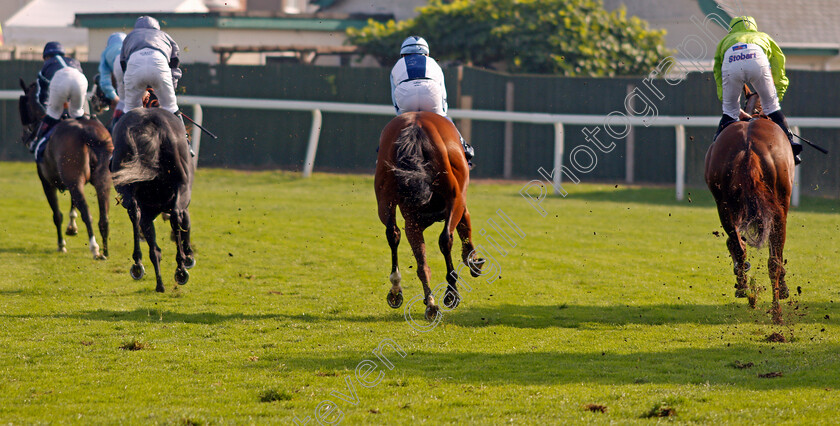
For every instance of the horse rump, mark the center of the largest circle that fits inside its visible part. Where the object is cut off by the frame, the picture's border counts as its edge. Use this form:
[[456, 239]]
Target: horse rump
[[756, 207], [144, 139], [412, 169]]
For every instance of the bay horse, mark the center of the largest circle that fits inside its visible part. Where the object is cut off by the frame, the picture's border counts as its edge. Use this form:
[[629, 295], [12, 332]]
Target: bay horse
[[153, 173], [422, 169], [77, 153], [749, 170]]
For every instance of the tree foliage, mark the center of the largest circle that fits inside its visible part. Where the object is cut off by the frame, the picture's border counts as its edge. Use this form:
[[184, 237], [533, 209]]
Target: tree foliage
[[567, 37]]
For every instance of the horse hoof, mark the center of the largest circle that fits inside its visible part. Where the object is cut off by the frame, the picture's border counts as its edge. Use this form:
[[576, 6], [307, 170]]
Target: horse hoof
[[451, 299], [62, 249], [100, 257], [160, 288], [431, 313], [475, 266], [181, 276], [394, 300], [189, 262], [741, 293], [71, 231], [137, 271]]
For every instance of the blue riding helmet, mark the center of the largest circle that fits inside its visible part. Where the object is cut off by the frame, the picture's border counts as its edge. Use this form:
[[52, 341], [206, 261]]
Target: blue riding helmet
[[53, 48], [414, 45]]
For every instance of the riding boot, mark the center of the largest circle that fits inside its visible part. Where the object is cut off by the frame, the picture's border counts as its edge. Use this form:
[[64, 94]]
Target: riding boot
[[779, 118], [46, 124], [189, 140], [725, 120], [469, 151]]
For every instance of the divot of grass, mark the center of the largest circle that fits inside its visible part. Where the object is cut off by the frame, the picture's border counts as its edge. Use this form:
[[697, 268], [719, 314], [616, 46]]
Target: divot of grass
[[271, 395], [133, 345], [739, 365], [660, 410], [596, 408]]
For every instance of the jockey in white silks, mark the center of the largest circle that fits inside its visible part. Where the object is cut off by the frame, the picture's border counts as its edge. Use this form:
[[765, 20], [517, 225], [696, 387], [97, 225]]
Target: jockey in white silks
[[417, 83]]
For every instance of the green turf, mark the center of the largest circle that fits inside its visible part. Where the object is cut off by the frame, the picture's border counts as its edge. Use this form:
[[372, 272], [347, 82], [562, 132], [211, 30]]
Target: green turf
[[620, 297]]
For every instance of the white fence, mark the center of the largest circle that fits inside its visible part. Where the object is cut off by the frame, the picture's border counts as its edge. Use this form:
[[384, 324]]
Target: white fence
[[556, 120]]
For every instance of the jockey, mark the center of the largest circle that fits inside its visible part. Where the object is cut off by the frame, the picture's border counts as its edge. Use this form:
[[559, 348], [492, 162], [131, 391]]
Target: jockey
[[746, 55], [60, 80], [417, 83], [107, 62], [149, 57]]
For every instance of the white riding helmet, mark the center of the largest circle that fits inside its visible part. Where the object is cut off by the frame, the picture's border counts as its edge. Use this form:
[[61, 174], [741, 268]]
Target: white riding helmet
[[414, 45]]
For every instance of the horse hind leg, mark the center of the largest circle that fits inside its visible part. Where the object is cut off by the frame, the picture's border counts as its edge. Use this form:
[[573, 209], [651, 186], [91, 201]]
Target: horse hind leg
[[739, 255], [147, 226], [392, 233], [185, 231], [468, 255], [78, 196], [52, 198], [137, 270], [775, 266], [414, 233], [181, 274], [72, 228]]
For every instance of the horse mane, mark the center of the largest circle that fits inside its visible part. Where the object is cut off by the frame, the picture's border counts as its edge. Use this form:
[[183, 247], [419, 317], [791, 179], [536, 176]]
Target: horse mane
[[146, 133], [757, 204], [411, 167]]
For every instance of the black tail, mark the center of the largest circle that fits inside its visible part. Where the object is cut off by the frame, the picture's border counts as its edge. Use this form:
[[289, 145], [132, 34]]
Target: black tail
[[411, 166], [756, 207], [144, 141]]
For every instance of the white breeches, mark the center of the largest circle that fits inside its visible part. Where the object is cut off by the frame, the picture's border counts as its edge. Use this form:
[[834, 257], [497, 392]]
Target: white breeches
[[419, 95], [67, 85], [747, 64], [149, 67]]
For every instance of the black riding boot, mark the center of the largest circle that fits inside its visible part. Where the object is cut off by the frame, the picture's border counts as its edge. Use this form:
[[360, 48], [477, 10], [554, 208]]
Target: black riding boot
[[189, 140], [47, 123], [779, 118], [725, 120]]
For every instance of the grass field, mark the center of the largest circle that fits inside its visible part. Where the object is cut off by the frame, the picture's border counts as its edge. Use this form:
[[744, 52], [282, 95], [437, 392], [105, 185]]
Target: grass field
[[619, 297]]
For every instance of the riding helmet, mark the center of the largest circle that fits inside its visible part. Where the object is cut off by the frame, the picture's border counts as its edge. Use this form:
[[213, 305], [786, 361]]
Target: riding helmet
[[53, 48], [414, 45]]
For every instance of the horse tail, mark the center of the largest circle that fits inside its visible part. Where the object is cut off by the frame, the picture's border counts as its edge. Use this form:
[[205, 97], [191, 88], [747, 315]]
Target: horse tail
[[412, 169], [144, 141], [756, 203]]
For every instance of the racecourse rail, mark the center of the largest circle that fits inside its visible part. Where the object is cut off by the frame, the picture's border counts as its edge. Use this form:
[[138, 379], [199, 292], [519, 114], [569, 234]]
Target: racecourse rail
[[557, 120]]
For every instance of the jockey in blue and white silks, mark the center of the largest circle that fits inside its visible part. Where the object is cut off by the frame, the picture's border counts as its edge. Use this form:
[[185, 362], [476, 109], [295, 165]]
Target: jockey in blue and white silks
[[107, 60], [60, 80], [417, 83], [149, 57]]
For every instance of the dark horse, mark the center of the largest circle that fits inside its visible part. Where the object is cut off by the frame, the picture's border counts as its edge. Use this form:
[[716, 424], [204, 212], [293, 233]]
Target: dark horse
[[421, 168], [153, 173], [749, 169], [77, 153]]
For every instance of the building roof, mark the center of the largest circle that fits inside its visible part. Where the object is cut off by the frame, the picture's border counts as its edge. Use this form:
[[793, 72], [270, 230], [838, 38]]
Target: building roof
[[62, 13], [234, 20], [792, 22]]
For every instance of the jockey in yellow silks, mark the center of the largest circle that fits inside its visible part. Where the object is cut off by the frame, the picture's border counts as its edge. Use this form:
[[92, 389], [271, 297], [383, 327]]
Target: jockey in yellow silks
[[747, 55]]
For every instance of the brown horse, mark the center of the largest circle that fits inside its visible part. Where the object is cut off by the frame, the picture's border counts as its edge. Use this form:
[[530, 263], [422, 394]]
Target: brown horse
[[422, 169], [749, 169], [77, 153]]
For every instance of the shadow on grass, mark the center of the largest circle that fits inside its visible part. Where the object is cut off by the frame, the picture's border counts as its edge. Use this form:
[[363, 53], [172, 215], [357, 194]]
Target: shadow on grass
[[665, 196], [29, 250], [583, 316], [507, 315], [151, 315], [816, 367]]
